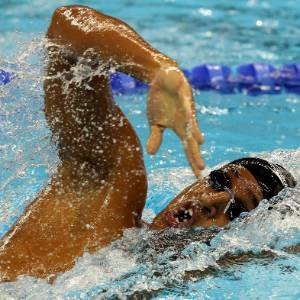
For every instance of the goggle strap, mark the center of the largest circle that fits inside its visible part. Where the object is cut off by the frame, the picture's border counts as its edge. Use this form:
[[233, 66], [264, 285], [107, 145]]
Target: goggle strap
[[231, 200]]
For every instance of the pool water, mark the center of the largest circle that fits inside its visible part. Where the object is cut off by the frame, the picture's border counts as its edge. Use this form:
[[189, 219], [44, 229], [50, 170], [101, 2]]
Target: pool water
[[257, 257]]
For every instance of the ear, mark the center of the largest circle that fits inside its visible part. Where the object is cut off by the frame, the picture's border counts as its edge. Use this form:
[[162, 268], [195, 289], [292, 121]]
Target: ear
[[245, 187], [250, 184], [256, 192]]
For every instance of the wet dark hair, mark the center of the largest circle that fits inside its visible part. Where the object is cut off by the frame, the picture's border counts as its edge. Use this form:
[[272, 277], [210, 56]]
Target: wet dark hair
[[272, 178]]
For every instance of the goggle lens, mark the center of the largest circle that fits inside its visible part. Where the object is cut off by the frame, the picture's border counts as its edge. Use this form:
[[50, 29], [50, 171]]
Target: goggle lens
[[219, 181]]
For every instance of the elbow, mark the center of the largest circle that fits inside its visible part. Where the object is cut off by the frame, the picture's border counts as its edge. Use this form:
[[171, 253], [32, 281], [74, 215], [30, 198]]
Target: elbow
[[61, 17], [64, 11], [55, 23]]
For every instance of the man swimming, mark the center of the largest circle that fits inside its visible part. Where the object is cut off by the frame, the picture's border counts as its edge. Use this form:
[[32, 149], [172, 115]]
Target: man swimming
[[100, 186], [225, 193]]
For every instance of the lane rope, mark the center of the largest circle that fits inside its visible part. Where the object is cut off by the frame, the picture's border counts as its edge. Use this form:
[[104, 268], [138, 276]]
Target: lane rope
[[253, 79]]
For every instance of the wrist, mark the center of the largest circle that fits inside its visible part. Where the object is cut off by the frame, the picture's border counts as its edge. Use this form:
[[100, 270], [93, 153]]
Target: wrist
[[169, 77], [162, 64]]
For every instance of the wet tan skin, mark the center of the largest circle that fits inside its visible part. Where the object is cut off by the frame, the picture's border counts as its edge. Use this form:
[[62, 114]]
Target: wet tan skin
[[100, 186], [207, 205]]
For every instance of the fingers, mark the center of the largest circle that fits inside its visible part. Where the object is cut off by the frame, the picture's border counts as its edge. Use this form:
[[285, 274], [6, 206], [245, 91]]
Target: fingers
[[155, 139], [193, 155], [197, 134]]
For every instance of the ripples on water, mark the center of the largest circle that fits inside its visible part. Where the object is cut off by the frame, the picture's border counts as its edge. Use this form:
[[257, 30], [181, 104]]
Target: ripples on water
[[145, 264], [192, 32]]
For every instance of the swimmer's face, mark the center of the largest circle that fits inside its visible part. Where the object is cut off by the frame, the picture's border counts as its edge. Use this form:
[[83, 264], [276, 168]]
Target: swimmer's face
[[206, 202]]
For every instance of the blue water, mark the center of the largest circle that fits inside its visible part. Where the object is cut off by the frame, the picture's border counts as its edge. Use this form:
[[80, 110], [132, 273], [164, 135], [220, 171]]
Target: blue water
[[192, 32]]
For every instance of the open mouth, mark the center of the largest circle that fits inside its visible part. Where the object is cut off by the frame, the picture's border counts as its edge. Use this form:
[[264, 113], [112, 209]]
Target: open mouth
[[183, 216]]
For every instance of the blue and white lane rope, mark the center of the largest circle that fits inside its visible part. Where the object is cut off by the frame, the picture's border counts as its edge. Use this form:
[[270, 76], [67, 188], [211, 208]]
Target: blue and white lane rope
[[252, 79]]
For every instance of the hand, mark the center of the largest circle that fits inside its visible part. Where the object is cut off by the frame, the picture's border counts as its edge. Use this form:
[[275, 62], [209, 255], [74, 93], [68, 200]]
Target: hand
[[171, 105]]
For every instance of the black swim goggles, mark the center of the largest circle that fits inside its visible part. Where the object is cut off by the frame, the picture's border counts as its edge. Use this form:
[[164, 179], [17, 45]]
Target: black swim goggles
[[220, 181]]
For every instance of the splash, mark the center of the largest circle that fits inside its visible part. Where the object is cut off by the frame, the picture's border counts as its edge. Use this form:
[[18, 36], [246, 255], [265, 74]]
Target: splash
[[142, 264], [145, 263], [27, 156]]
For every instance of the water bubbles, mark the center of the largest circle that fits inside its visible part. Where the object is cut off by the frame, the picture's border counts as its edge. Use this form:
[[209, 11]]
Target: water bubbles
[[27, 156]]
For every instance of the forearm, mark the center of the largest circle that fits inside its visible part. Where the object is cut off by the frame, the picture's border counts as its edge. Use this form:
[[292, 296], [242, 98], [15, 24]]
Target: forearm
[[117, 44]]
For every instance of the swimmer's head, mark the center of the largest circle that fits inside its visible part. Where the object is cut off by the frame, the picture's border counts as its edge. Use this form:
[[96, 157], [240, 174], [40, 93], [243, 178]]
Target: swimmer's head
[[224, 194]]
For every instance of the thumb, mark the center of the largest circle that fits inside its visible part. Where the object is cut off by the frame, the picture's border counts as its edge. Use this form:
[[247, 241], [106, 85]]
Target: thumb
[[154, 139]]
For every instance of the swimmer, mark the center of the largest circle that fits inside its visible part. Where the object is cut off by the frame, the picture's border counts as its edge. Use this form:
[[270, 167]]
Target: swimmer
[[225, 193], [100, 186]]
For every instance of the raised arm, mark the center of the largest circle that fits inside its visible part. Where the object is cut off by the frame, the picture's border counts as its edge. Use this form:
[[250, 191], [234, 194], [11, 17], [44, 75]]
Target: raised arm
[[83, 28], [118, 46]]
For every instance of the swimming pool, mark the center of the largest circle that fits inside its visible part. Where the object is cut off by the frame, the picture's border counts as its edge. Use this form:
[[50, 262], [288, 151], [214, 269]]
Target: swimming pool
[[234, 125]]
